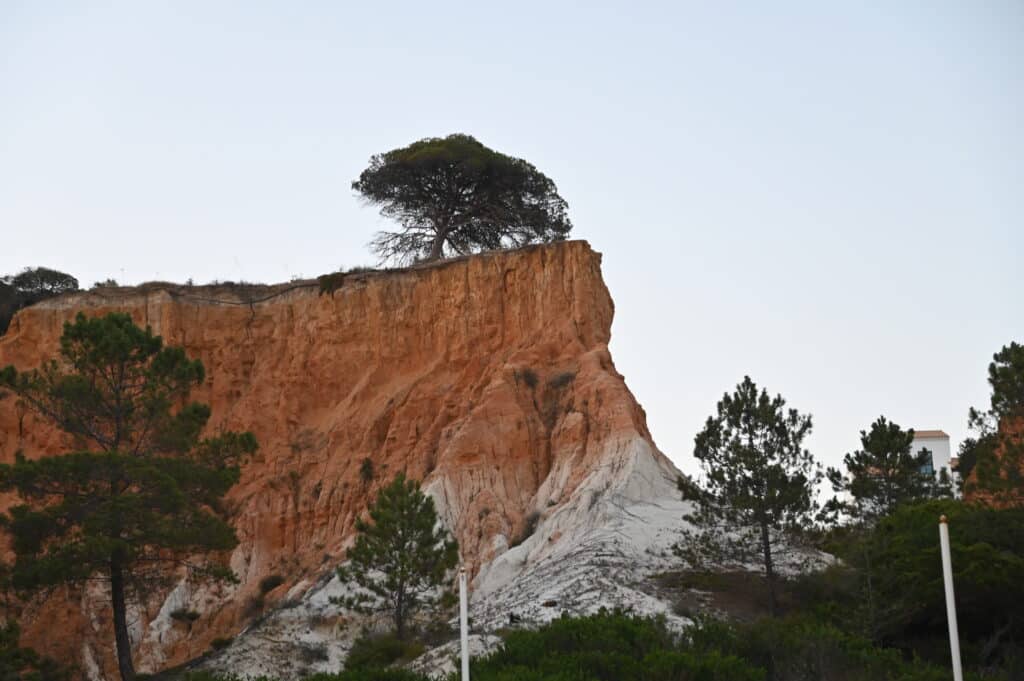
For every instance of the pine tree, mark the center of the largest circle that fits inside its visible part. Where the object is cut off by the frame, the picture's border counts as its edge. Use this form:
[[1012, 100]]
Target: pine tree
[[143, 495], [884, 474], [998, 452], [453, 196], [756, 494], [400, 559]]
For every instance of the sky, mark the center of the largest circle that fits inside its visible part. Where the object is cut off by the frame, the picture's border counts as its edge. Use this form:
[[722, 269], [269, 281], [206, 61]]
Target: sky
[[828, 197]]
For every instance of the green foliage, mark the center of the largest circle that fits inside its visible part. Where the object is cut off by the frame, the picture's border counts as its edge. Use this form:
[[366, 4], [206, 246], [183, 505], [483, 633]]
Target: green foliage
[[43, 281], [145, 498], [88, 510], [1006, 376], [527, 376], [366, 470], [806, 649], [617, 646], [185, 615], [889, 586], [221, 643], [28, 287], [453, 195], [562, 380], [270, 582], [987, 549], [606, 647], [329, 283], [884, 474], [996, 455], [25, 664], [758, 484], [377, 651], [401, 558], [980, 446], [373, 674]]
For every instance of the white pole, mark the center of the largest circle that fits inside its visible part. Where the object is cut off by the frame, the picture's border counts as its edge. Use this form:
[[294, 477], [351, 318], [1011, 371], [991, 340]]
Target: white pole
[[464, 623], [947, 574]]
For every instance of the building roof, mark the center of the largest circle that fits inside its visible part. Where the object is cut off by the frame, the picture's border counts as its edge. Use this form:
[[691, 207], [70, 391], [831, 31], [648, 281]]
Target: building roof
[[929, 434]]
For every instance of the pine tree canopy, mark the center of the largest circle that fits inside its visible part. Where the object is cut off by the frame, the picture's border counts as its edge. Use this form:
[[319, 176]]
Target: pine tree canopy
[[884, 474], [994, 470], [454, 196], [757, 483], [402, 557], [142, 497]]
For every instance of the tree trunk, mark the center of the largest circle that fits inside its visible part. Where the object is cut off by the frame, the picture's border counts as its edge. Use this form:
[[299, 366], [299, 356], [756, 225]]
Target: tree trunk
[[400, 616], [437, 248], [124, 644], [769, 570], [872, 615]]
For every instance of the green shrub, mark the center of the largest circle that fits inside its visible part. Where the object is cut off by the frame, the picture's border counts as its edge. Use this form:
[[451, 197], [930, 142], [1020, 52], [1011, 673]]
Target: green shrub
[[185, 615], [527, 376], [204, 675], [366, 471], [605, 647], [377, 651], [891, 586], [370, 675], [221, 643], [270, 582], [559, 381]]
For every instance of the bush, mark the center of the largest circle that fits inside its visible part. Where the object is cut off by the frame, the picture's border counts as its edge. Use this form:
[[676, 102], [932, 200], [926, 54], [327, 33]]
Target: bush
[[605, 647], [370, 675], [25, 664], [559, 381], [270, 582], [221, 643], [366, 471], [527, 376], [621, 647], [185, 615], [354, 675], [377, 651], [903, 604]]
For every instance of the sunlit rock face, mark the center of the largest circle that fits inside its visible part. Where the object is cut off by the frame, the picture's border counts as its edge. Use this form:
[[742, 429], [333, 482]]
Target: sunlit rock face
[[487, 377]]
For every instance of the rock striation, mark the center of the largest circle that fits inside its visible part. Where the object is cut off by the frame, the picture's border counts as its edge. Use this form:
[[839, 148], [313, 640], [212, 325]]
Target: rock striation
[[487, 377]]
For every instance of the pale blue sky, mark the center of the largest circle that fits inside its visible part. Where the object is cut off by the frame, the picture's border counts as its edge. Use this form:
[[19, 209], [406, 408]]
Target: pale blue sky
[[827, 196]]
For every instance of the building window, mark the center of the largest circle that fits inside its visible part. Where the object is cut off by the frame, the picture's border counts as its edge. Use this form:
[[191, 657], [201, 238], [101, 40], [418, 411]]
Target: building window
[[927, 461]]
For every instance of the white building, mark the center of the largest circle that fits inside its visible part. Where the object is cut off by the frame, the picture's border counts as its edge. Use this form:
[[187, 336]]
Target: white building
[[936, 442]]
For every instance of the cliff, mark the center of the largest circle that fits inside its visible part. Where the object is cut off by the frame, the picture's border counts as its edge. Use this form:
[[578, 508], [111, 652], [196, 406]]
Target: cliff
[[488, 377]]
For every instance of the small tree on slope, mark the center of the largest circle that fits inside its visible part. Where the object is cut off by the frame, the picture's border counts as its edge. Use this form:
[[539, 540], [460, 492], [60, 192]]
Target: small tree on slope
[[884, 474], [401, 558], [144, 500], [757, 489]]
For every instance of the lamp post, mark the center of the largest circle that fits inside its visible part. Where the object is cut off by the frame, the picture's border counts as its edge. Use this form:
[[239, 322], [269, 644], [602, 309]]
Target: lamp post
[[464, 623], [947, 575]]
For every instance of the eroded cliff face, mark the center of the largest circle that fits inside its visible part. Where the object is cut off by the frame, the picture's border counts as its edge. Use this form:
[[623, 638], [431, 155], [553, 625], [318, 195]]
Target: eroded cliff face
[[487, 377]]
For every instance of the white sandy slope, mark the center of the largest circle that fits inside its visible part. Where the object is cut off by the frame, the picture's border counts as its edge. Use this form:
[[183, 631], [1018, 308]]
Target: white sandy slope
[[593, 550]]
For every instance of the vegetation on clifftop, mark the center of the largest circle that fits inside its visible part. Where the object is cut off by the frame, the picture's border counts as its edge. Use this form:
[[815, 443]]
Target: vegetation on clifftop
[[454, 196]]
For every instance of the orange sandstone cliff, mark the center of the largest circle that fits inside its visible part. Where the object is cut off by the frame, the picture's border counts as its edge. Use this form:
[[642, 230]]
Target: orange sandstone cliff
[[488, 377]]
